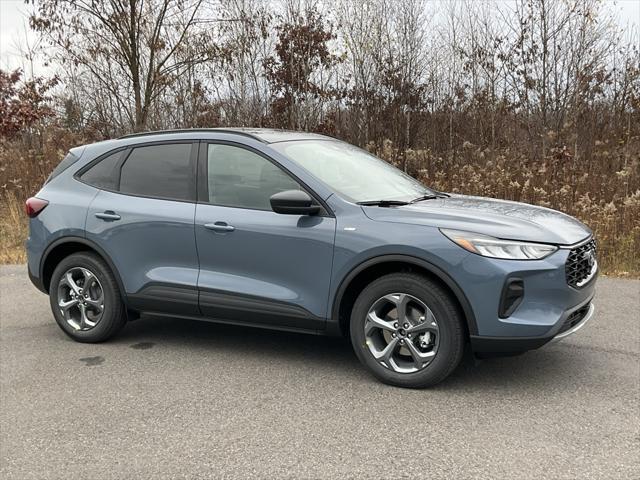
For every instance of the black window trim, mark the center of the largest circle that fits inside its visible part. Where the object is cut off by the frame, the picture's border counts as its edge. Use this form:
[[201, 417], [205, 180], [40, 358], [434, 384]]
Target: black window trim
[[193, 156], [62, 168], [203, 177]]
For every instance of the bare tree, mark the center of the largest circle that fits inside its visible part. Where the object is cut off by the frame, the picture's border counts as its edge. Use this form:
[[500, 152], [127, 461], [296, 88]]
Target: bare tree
[[301, 67], [246, 39], [130, 49]]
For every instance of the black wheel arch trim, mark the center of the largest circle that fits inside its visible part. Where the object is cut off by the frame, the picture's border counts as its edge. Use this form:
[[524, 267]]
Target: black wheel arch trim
[[419, 262], [92, 245]]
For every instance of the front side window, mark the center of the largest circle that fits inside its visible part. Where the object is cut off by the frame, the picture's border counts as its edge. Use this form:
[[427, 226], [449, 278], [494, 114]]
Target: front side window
[[352, 172], [162, 171], [238, 177]]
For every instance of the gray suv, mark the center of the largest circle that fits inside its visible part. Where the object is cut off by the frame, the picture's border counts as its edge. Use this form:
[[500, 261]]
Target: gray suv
[[302, 232]]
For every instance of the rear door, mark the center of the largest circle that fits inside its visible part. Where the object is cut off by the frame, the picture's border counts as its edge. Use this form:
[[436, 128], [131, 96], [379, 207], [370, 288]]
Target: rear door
[[257, 266], [143, 218]]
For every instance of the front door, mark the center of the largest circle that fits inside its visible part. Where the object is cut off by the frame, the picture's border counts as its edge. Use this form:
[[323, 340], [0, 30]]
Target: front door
[[257, 266]]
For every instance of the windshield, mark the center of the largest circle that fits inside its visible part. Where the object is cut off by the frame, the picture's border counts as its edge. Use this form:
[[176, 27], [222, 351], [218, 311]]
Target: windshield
[[352, 172]]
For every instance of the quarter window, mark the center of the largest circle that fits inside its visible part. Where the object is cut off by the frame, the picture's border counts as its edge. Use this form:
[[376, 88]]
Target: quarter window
[[162, 171], [238, 177], [104, 174]]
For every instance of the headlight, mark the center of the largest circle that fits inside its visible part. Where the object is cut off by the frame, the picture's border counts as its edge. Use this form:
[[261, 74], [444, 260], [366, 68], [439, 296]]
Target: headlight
[[496, 248]]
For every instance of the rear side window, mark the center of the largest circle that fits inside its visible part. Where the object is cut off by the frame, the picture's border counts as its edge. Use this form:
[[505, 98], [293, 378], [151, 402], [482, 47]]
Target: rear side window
[[66, 162], [162, 171], [105, 173]]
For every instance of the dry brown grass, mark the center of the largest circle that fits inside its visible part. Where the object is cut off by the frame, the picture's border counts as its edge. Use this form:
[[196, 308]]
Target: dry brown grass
[[13, 229], [25, 162], [603, 192]]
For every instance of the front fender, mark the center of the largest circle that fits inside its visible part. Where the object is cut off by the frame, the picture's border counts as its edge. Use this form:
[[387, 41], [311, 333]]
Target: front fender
[[410, 260]]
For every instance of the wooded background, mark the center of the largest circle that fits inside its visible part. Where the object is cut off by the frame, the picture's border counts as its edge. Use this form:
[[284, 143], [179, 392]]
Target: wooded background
[[530, 100]]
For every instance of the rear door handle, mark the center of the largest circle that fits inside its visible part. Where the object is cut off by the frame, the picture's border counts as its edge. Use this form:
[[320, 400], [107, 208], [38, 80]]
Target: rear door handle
[[219, 227], [108, 215]]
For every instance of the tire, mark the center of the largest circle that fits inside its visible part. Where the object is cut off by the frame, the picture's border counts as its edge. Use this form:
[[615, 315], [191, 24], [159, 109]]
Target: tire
[[102, 290], [435, 330]]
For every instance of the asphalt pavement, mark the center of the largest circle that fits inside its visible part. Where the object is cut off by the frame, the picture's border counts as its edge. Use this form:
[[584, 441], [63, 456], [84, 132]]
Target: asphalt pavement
[[171, 398]]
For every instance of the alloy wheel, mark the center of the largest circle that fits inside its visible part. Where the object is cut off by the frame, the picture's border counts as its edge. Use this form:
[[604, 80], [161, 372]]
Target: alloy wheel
[[80, 298], [402, 333]]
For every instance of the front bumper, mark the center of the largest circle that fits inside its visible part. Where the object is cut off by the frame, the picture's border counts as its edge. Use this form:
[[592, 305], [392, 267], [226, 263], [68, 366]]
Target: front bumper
[[576, 326], [489, 346]]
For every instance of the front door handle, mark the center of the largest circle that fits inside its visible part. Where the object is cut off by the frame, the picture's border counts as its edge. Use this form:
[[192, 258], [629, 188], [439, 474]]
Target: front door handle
[[108, 215], [219, 227]]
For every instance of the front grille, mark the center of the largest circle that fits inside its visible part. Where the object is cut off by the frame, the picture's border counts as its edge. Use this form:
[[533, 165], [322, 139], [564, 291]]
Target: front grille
[[575, 317], [580, 264]]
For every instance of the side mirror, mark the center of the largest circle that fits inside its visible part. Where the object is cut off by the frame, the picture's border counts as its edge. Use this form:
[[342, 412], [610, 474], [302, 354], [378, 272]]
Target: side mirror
[[294, 202]]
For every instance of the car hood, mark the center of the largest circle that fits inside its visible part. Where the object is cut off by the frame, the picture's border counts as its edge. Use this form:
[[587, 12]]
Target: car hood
[[489, 216]]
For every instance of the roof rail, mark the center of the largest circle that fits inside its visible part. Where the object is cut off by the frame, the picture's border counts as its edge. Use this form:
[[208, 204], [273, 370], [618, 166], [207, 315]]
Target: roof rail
[[190, 130]]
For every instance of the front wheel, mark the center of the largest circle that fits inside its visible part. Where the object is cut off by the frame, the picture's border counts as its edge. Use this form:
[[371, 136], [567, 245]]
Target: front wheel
[[407, 330], [85, 299]]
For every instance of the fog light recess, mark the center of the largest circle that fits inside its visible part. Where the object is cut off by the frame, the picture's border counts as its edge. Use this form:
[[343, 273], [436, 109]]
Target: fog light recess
[[512, 295]]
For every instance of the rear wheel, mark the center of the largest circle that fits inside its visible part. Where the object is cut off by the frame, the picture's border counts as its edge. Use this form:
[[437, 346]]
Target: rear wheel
[[85, 299], [407, 330]]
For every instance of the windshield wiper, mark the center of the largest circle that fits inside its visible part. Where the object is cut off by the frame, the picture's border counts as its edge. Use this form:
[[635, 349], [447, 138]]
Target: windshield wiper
[[383, 203], [393, 203], [424, 197], [429, 196]]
